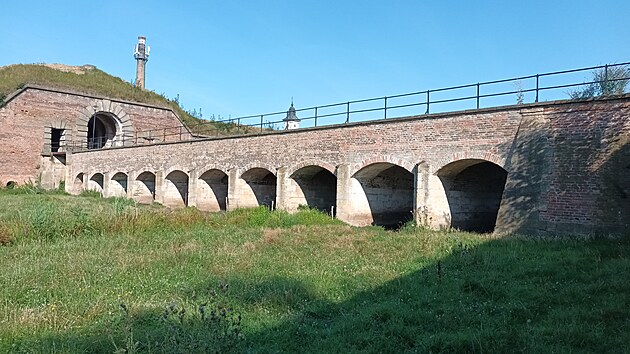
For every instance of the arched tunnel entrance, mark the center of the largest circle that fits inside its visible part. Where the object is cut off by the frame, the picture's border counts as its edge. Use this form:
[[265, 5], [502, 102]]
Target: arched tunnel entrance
[[385, 196], [259, 188], [102, 130], [212, 190], [96, 183], [144, 188], [118, 187], [474, 189], [317, 188], [176, 189]]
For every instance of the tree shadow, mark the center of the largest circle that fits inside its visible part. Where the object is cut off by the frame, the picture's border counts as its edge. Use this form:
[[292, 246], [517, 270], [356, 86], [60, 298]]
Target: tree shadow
[[500, 296]]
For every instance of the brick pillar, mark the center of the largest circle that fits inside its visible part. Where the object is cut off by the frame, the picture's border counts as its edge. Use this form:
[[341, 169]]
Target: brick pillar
[[282, 192], [421, 194], [107, 180], [131, 184], [193, 177], [344, 196], [233, 189], [159, 187]]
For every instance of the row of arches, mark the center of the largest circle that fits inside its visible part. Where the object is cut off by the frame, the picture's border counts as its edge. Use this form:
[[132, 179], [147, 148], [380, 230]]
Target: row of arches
[[380, 193]]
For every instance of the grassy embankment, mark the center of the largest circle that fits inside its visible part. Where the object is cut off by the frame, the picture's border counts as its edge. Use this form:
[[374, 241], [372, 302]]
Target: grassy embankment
[[84, 274], [92, 81]]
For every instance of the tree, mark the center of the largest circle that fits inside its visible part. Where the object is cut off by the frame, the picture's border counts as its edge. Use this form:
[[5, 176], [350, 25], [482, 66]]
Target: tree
[[607, 81]]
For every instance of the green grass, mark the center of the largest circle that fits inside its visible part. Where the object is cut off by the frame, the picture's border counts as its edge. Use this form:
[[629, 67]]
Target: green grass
[[93, 81], [299, 282]]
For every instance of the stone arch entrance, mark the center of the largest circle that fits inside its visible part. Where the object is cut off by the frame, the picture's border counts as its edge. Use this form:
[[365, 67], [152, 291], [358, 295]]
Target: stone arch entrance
[[104, 130], [144, 188], [103, 124], [118, 187], [212, 190], [384, 194], [77, 185], [259, 188], [316, 188], [95, 183], [474, 189], [176, 189]]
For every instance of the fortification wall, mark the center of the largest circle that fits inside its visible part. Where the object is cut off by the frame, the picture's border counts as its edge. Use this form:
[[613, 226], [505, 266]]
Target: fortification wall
[[567, 164], [27, 119]]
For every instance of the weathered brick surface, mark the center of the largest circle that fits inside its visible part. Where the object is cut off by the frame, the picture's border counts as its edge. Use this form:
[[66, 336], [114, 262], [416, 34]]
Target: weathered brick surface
[[566, 161], [25, 118]]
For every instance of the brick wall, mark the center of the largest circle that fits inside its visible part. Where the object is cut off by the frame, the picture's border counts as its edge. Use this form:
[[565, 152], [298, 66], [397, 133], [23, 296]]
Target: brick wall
[[567, 162], [26, 122]]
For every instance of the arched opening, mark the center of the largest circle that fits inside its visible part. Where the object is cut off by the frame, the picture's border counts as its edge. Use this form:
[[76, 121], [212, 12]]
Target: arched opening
[[102, 130], [96, 183], [118, 187], [144, 188], [259, 189], [384, 196], [77, 184], [212, 189], [317, 188], [11, 184], [176, 189], [474, 189]]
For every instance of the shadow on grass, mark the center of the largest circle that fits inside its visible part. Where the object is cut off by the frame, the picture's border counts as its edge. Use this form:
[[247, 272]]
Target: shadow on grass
[[504, 295]]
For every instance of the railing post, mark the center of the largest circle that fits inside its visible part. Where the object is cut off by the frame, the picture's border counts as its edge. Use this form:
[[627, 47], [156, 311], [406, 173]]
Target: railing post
[[606, 89], [385, 108], [537, 77], [347, 112], [238, 126], [477, 95], [428, 101], [164, 138], [261, 123], [315, 116]]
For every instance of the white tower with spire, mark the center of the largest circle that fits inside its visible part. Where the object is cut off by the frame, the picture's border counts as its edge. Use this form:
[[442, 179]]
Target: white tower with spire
[[141, 53], [291, 121]]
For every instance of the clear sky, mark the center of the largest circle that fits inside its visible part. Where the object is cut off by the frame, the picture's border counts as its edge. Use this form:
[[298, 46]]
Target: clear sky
[[234, 58]]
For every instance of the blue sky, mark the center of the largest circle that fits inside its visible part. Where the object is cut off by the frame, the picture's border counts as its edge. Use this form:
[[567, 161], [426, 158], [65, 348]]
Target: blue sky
[[234, 58]]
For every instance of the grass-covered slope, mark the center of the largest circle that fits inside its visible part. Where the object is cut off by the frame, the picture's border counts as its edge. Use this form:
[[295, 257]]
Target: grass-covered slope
[[92, 275], [85, 79]]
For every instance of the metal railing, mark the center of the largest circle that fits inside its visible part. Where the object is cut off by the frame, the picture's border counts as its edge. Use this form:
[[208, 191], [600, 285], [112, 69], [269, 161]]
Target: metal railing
[[523, 89]]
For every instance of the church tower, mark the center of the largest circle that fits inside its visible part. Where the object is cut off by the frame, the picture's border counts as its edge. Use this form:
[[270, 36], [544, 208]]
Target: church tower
[[291, 121]]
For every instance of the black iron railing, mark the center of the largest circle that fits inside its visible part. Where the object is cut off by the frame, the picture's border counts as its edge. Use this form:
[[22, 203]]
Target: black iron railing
[[524, 89]]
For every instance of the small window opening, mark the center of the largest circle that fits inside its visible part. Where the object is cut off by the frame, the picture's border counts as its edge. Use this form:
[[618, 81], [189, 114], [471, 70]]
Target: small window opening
[[55, 139]]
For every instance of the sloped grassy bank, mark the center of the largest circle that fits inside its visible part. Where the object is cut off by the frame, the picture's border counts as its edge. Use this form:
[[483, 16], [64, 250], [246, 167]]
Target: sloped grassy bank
[[84, 274]]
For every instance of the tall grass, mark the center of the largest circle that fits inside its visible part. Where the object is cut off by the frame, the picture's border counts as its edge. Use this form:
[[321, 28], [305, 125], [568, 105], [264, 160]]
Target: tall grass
[[105, 275]]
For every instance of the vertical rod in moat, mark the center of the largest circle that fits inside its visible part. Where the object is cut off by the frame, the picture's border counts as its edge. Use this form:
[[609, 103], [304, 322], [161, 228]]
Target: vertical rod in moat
[[180, 133], [315, 116], [347, 112], [385, 109], [427, 112], [537, 76], [477, 95], [164, 139]]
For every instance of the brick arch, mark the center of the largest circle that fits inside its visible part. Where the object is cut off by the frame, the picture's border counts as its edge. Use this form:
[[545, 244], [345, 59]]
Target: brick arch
[[407, 165], [180, 168], [330, 168], [114, 109], [248, 167], [205, 168], [471, 155]]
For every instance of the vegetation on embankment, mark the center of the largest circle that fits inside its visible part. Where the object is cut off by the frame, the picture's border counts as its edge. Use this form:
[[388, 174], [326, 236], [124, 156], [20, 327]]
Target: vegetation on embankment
[[85, 274], [89, 80]]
